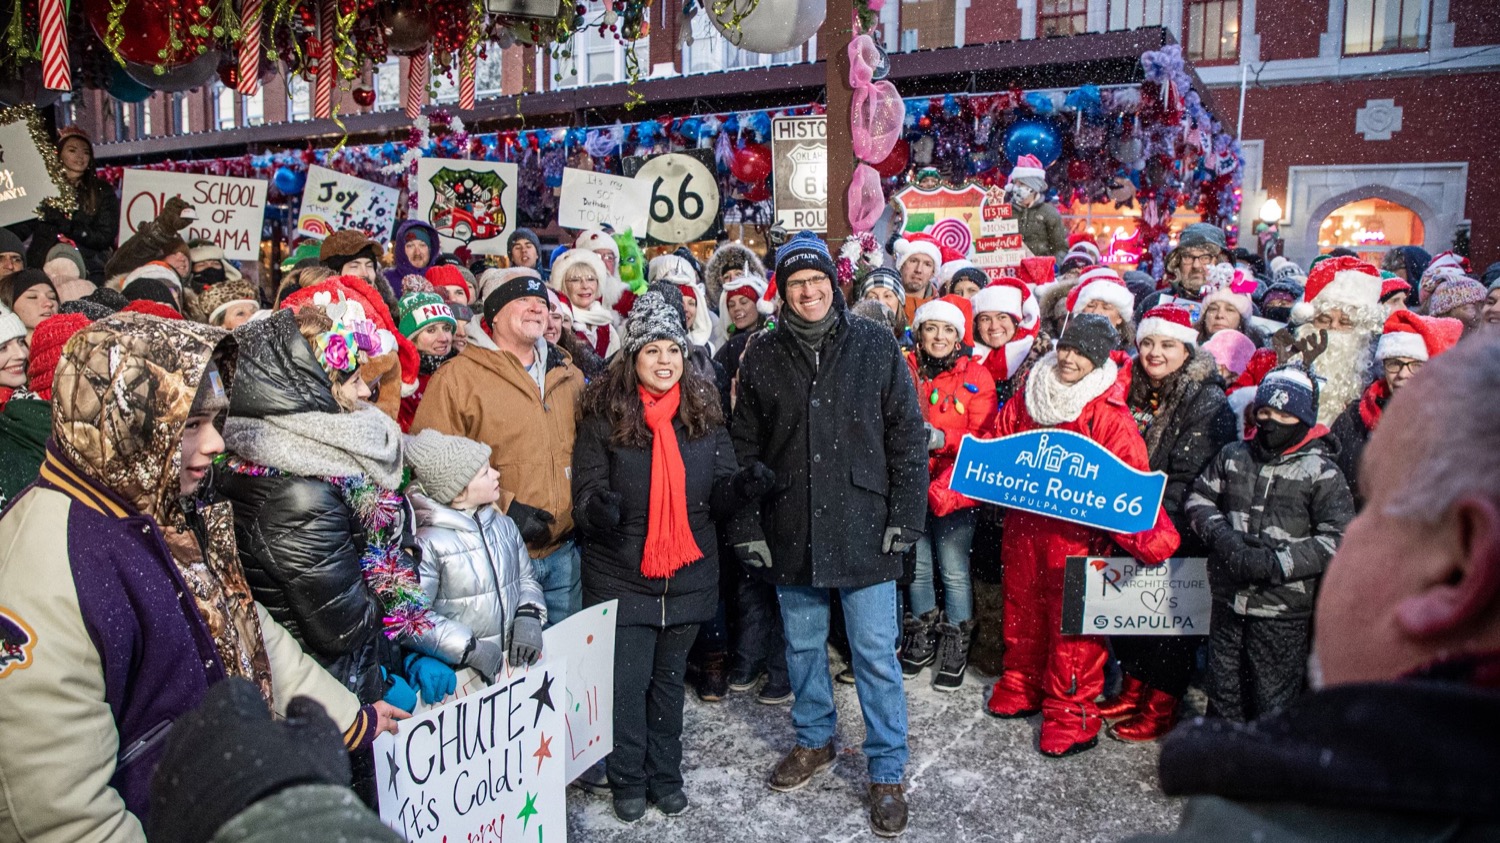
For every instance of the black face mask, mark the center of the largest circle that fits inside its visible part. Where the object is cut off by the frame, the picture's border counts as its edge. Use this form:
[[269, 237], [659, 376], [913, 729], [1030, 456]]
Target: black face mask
[[1276, 437], [1277, 314], [210, 276]]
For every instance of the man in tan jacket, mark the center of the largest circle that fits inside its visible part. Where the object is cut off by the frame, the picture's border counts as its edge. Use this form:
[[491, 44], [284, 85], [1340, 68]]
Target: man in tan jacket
[[517, 393]]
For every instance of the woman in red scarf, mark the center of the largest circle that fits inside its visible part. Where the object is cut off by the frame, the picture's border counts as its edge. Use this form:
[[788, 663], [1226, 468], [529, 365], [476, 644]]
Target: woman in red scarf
[[653, 469]]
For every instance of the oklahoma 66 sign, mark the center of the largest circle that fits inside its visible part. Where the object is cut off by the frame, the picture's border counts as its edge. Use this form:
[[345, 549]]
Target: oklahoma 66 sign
[[684, 198]]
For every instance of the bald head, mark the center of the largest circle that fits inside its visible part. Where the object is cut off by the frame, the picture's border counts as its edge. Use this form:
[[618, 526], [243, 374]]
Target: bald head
[[1417, 577]]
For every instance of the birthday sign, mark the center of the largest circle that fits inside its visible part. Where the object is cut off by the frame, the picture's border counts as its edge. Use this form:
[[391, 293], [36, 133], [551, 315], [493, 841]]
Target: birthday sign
[[1120, 596], [1062, 475], [334, 201], [230, 211], [485, 767], [592, 200]]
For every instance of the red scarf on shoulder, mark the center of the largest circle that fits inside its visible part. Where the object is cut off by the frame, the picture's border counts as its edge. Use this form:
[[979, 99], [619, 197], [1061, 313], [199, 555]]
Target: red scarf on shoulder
[[1372, 403], [669, 537]]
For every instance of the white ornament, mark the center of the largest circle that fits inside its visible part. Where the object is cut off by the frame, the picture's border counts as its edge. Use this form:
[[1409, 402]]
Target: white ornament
[[769, 26]]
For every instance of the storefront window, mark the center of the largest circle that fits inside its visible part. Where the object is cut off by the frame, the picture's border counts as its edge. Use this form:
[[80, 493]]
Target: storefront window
[[1371, 227], [1115, 230]]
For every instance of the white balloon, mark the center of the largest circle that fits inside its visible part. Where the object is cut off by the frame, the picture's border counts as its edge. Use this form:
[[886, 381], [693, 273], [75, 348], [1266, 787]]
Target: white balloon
[[772, 26]]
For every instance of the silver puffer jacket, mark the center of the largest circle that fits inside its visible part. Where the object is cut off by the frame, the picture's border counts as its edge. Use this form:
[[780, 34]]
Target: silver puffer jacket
[[476, 573]]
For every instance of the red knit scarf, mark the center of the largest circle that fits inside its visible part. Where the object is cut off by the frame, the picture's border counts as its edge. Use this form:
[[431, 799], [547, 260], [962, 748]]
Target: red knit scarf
[[669, 538], [1372, 403]]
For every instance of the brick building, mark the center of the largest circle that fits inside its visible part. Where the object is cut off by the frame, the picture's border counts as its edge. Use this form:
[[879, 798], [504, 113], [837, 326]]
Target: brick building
[[1359, 116]]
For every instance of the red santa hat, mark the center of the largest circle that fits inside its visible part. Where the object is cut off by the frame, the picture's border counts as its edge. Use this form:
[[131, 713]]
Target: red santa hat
[[1028, 167], [1101, 283], [1417, 337], [1339, 281], [951, 310], [1168, 320], [918, 244], [595, 240], [1230, 284], [1010, 296], [1037, 271], [749, 285], [953, 261]]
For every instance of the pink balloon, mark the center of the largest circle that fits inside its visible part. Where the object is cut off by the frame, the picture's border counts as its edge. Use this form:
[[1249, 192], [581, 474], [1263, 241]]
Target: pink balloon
[[875, 120], [863, 56], [866, 199]]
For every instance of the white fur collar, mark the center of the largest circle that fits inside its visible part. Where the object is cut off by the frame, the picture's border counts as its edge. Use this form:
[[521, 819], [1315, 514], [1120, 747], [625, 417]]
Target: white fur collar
[[1050, 401], [1015, 353]]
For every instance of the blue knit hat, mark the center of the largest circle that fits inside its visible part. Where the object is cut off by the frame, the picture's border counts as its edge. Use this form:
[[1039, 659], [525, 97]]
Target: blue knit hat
[[804, 251], [1290, 390]]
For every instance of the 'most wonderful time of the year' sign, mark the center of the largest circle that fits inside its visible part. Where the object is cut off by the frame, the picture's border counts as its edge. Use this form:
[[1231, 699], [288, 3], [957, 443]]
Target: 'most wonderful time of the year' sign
[[1060, 474], [1120, 596]]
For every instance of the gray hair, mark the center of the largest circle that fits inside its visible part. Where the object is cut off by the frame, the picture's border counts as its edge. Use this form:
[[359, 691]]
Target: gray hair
[[1458, 450]]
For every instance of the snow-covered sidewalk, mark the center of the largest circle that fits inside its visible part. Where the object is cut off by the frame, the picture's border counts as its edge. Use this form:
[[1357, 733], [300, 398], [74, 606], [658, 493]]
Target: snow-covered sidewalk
[[971, 778]]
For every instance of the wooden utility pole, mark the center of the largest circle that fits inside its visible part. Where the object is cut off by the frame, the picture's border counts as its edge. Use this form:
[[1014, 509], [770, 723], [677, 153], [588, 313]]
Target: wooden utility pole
[[837, 31]]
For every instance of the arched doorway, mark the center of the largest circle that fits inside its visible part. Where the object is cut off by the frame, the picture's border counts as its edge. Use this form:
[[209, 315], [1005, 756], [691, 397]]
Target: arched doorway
[[1434, 192], [1371, 227]]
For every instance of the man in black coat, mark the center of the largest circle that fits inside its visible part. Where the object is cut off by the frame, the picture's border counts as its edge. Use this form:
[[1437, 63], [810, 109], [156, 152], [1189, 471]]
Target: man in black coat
[[828, 403]]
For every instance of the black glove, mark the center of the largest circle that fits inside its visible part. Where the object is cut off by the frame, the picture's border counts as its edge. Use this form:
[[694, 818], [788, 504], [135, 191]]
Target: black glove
[[754, 480], [899, 540], [228, 753], [756, 554], [603, 509], [535, 524], [1227, 542], [525, 637]]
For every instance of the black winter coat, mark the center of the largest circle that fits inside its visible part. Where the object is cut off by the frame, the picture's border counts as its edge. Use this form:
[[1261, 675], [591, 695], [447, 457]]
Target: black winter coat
[[93, 231], [1191, 423], [1353, 434], [612, 555], [841, 429]]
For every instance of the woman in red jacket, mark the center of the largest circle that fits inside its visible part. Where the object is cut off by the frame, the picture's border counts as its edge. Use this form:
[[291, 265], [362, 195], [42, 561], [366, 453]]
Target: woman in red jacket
[[1074, 388], [957, 396]]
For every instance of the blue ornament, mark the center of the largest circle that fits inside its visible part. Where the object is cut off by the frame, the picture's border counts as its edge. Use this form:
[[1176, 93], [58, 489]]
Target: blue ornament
[[289, 181], [124, 88], [1032, 137], [689, 128]]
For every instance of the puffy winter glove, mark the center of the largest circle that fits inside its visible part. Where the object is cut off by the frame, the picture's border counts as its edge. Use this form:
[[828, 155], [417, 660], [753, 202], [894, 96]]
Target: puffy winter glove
[[603, 509], [754, 480], [228, 753], [535, 524], [756, 554], [525, 639], [399, 693], [434, 679], [1250, 565], [487, 658], [936, 438], [899, 540]]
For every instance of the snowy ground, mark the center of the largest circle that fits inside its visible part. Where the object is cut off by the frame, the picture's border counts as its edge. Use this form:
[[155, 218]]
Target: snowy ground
[[971, 778]]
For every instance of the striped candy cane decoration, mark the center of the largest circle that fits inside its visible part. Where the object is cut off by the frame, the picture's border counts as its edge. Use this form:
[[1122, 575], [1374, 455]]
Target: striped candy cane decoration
[[57, 74], [323, 92], [250, 14], [466, 79], [416, 84]]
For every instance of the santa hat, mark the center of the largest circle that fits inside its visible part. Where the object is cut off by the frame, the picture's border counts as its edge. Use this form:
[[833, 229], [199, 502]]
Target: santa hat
[[575, 258], [1339, 281], [1010, 296], [1229, 284], [950, 310], [752, 287], [918, 244], [1101, 283], [1028, 167], [953, 261], [1417, 337], [595, 240], [1168, 320], [1037, 271]]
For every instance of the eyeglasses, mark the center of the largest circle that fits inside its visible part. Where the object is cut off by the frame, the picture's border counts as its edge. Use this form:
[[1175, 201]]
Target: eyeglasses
[[1199, 257], [1394, 366], [811, 279]]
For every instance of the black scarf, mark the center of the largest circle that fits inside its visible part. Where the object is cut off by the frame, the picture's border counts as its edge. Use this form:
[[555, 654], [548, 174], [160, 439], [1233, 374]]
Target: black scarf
[[930, 367], [810, 334]]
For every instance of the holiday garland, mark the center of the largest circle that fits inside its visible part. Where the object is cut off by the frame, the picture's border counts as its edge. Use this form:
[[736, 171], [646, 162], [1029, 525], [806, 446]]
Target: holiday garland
[[383, 565]]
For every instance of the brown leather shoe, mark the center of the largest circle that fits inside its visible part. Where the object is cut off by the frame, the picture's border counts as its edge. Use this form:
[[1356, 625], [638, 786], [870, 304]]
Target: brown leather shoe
[[888, 809], [799, 766]]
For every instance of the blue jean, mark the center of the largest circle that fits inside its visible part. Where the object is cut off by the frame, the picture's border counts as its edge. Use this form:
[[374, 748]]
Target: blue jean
[[562, 584], [874, 632], [953, 536]]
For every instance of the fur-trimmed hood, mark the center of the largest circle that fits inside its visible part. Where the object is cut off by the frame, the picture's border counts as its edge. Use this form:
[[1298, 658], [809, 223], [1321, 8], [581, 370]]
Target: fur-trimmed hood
[[1176, 395], [729, 256]]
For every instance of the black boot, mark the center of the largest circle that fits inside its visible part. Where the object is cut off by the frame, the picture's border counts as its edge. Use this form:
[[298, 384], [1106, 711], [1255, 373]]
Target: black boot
[[953, 654], [919, 642], [713, 680]]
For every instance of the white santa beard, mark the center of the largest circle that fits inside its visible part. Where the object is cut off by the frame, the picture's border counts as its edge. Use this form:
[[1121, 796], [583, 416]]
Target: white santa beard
[[1346, 368]]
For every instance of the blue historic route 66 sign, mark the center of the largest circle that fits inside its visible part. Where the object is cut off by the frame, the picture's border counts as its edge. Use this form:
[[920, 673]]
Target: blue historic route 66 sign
[[1060, 474]]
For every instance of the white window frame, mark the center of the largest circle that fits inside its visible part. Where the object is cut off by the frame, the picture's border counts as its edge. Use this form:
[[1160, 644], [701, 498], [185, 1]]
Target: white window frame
[[715, 53], [298, 99], [385, 79], [588, 43]]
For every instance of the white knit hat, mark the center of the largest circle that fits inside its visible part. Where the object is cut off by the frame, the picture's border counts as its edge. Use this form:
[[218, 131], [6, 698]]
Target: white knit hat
[[674, 269], [593, 239], [11, 325]]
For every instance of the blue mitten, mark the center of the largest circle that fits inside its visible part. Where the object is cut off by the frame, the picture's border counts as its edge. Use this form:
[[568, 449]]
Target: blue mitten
[[433, 678], [400, 694]]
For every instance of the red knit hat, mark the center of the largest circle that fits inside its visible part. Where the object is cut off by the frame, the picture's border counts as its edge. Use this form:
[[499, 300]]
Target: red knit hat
[[47, 343], [1412, 335], [1392, 286], [446, 275], [1168, 320], [151, 308]]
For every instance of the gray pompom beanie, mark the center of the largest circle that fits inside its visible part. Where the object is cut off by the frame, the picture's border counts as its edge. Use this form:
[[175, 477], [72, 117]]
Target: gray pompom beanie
[[651, 319], [443, 465]]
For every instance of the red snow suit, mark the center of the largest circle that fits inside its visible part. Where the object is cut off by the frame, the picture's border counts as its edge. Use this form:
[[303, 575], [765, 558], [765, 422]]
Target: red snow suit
[[965, 404], [1063, 674]]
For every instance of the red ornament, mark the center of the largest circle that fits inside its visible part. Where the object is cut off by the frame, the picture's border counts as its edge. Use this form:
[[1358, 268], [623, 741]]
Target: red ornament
[[364, 97], [145, 24], [751, 164], [757, 192], [895, 163], [924, 122]]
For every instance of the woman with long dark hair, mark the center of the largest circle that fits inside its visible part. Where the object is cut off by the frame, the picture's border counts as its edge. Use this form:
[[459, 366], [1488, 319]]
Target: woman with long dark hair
[[653, 469], [94, 223]]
